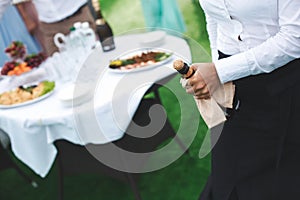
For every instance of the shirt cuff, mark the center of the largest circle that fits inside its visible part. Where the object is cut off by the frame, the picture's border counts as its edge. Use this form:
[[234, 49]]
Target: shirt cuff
[[214, 54], [235, 67]]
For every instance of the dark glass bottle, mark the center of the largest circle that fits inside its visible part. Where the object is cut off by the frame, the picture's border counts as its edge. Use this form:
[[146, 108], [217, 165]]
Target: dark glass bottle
[[183, 68], [103, 29]]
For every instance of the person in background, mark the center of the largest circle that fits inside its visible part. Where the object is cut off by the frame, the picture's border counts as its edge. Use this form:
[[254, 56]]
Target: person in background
[[163, 14], [257, 154], [12, 28], [56, 16], [30, 17]]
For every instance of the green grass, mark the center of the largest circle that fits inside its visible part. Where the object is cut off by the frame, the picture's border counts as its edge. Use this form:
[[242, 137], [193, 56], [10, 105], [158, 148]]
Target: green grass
[[183, 179], [126, 15]]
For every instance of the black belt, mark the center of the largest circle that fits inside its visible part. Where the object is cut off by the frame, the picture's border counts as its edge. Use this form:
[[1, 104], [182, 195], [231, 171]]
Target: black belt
[[235, 107]]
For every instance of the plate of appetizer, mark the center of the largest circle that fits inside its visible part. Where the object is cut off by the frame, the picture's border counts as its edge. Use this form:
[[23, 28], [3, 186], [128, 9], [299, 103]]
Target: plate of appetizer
[[25, 95], [140, 60]]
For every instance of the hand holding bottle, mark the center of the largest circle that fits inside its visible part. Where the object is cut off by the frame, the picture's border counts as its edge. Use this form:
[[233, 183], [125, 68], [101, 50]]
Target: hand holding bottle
[[202, 78], [210, 95]]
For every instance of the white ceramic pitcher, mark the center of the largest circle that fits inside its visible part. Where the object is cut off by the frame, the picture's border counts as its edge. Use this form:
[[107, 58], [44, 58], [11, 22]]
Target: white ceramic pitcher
[[61, 41]]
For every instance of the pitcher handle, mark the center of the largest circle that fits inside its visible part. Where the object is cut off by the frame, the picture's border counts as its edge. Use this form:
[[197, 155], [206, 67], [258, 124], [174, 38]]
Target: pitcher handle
[[60, 40]]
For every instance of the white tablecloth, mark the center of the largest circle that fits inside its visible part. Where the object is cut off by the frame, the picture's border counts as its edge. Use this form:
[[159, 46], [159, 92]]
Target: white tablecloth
[[32, 129]]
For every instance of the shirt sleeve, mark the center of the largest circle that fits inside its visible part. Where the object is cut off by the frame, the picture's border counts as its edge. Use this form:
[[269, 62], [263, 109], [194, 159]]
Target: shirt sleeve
[[275, 52], [3, 5], [211, 27], [19, 1]]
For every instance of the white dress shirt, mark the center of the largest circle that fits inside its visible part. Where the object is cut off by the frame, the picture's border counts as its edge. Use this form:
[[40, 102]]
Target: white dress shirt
[[262, 35], [55, 10], [49, 11]]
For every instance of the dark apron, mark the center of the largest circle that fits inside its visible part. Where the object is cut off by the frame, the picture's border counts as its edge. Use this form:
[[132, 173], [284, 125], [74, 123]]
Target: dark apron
[[257, 156]]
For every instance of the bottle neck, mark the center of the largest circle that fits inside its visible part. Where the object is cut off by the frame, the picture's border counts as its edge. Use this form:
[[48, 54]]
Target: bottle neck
[[189, 74], [96, 6], [183, 68], [100, 21], [99, 14]]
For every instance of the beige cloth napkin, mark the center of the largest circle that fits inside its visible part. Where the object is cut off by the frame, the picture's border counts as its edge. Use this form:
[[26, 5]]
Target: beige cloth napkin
[[213, 110]]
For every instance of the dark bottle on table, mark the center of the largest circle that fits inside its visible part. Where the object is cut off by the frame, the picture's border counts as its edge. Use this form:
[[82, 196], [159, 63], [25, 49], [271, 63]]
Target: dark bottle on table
[[103, 30]]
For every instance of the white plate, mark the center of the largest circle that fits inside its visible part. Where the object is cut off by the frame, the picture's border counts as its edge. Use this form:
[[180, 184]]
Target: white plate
[[153, 39], [73, 95], [27, 102], [145, 67]]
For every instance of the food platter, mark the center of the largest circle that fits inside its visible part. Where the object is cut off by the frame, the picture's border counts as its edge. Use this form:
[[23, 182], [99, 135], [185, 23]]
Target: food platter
[[149, 59], [20, 62], [27, 102], [25, 95], [23, 74]]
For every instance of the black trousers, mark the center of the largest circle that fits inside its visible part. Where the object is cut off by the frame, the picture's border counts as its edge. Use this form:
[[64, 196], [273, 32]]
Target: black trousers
[[257, 156]]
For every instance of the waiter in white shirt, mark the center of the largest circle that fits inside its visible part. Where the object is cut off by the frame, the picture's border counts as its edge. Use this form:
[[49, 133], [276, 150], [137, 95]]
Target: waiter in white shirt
[[56, 16], [257, 156]]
